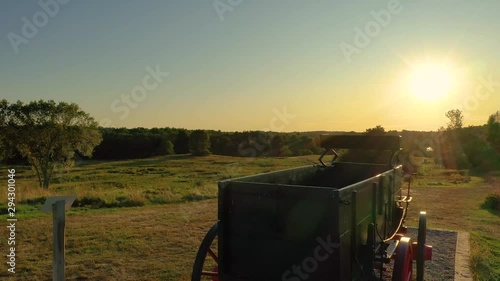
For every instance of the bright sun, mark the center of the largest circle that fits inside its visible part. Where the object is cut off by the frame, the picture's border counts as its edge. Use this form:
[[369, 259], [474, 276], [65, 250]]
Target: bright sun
[[431, 81]]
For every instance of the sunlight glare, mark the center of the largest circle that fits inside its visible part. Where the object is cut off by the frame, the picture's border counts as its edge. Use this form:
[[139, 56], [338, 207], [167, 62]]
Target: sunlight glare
[[431, 81]]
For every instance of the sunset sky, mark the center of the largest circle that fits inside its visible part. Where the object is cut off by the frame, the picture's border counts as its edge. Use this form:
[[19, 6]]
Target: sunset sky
[[240, 65]]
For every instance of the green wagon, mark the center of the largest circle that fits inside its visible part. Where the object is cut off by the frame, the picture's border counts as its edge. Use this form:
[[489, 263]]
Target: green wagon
[[335, 221]]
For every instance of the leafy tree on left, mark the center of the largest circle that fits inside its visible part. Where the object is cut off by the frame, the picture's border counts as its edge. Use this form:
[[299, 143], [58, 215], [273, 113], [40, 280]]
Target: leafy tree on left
[[47, 133]]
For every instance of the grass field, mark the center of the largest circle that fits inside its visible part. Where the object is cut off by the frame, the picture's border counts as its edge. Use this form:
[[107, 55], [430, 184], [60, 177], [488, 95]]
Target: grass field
[[171, 179], [144, 219], [457, 207]]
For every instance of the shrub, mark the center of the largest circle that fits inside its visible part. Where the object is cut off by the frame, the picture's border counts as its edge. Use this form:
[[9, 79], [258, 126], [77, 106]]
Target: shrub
[[34, 201], [492, 202], [126, 201], [89, 201], [194, 196], [317, 150], [458, 178], [305, 152]]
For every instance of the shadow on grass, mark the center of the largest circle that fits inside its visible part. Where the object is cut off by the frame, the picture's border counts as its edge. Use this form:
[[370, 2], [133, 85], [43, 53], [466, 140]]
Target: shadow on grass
[[150, 161], [196, 197], [94, 202], [494, 212]]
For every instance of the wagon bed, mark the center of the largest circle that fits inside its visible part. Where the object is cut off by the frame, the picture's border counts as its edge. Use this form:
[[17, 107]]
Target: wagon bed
[[323, 222]]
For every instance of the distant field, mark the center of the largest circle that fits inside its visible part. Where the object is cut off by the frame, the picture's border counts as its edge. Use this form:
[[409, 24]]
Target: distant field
[[160, 180], [175, 206]]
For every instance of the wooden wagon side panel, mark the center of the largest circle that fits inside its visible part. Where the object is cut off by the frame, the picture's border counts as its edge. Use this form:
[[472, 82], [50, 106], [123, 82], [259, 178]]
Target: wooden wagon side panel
[[269, 234]]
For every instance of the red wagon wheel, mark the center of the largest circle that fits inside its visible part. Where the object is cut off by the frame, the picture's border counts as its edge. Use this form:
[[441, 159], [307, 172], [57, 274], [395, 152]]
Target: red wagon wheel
[[403, 265], [199, 262]]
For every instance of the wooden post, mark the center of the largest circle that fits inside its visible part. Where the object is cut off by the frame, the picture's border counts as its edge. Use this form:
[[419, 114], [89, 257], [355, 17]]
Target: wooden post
[[58, 205], [58, 213]]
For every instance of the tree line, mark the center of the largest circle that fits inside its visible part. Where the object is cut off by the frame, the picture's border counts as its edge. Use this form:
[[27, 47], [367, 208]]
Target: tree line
[[472, 147], [48, 135], [123, 143], [452, 146]]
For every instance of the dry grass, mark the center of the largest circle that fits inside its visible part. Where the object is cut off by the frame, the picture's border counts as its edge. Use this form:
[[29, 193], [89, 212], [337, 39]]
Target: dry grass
[[457, 207], [146, 243]]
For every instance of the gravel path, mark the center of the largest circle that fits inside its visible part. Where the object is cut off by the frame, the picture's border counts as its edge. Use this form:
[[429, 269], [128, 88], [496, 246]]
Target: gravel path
[[442, 266]]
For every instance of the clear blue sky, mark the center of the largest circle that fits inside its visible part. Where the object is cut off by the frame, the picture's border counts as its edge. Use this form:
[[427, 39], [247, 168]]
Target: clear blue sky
[[233, 69]]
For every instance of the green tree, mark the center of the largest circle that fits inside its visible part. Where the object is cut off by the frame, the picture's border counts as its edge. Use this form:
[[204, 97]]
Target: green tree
[[456, 119], [378, 130], [222, 144], [305, 152], [493, 127], [3, 150], [48, 134], [181, 143], [451, 153], [277, 146], [199, 143], [165, 147]]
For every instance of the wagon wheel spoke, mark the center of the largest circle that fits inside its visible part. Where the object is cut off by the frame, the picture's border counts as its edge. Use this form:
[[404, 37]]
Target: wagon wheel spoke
[[216, 260], [209, 273], [213, 255], [201, 256]]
